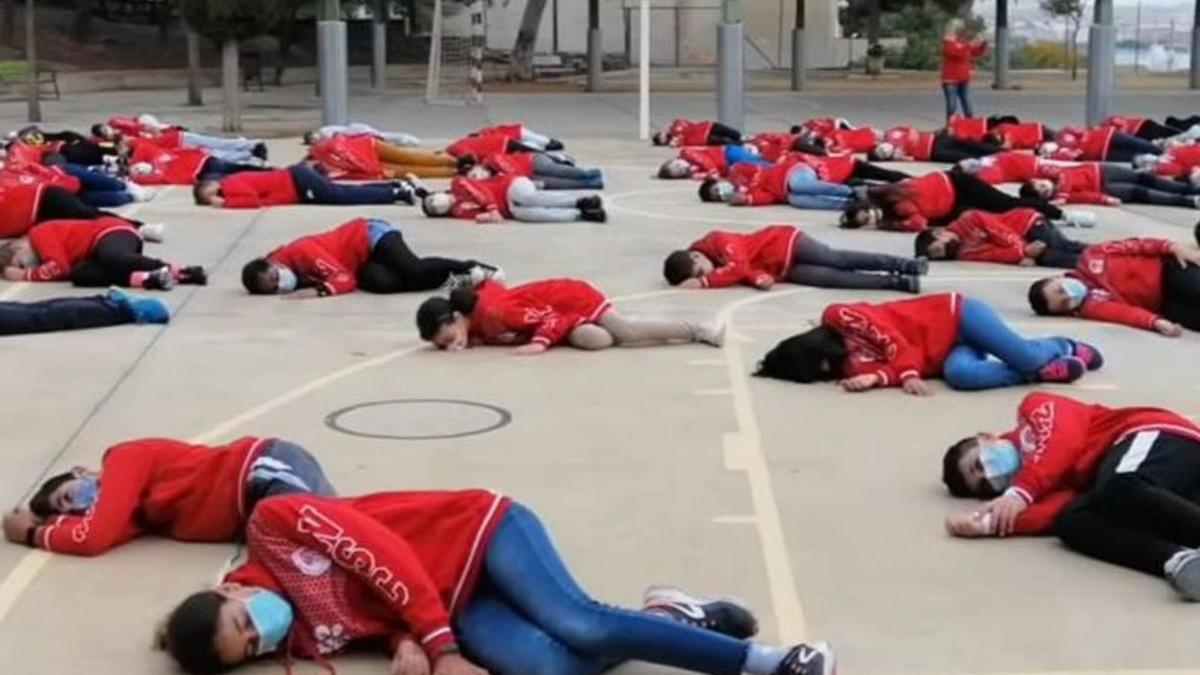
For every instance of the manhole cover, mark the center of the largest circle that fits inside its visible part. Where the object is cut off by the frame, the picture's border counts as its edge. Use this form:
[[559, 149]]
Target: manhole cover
[[416, 419]]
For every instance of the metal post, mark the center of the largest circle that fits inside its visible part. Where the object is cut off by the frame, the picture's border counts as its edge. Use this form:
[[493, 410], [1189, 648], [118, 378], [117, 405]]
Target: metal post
[[799, 56], [554, 20], [232, 105], [1101, 38], [644, 70], [379, 45], [1001, 48], [595, 46], [731, 65], [1137, 39], [331, 64], [195, 88], [35, 104], [1194, 79], [678, 27]]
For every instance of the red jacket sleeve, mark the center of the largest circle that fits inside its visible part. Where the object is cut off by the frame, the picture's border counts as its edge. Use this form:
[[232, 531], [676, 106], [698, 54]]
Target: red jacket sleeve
[[325, 268], [978, 48], [1145, 247], [1114, 311], [397, 576], [908, 218], [955, 49], [1038, 519], [239, 197], [1004, 246], [55, 263], [1051, 431], [898, 360], [110, 522]]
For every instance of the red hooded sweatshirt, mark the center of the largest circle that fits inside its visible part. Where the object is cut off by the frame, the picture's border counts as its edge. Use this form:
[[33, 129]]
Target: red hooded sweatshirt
[[1178, 161], [1062, 442], [331, 258], [913, 144], [921, 200], [539, 311], [1125, 281], [956, 59], [348, 157], [515, 164], [61, 244], [742, 258], [255, 189], [1082, 184], [705, 160], [375, 567], [1129, 125], [993, 237], [481, 147], [967, 128], [861, 139], [1023, 136], [20, 198], [1089, 145], [762, 184], [473, 197], [181, 166], [897, 340], [160, 486], [1008, 167], [687, 132]]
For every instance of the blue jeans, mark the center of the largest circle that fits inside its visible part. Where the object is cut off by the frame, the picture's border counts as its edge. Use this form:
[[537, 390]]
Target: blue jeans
[[314, 188], [982, 335], [376, 228], [955, 92], [285, 468], [806, 191], [229, 149], [529, 617], [736, 154], [45, 316], [99, 189]]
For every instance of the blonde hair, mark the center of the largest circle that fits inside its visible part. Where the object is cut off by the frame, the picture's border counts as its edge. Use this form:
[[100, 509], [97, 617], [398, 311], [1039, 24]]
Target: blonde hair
[[954, 26]]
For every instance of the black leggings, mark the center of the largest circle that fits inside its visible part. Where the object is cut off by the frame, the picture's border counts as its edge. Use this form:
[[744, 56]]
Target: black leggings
[[997, 120], [970, 192], [868, 171], [1124, 147], [1182, 122], [1138, 514], [216, 169], [47, 316], [1181, 294], [114, 258], [809, 148], [314, 188], [59, 203], [394, 268], [816, 264], [1060, 251], [949, 149], [1152, 131], [721, 134], [1136, 187]]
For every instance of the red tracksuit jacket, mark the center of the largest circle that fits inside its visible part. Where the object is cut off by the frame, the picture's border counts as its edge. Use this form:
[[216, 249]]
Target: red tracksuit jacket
[[181, 166], [1178, 161], [1062, 442], [331, 258], [967, 128], [1090, 145], [20, 198], [1129, 125], [742, 258], [688, 132], [763, 185], [479, 146], [473, 197], [705, 160], [255, 189], [772, 145], [31, 154], [377, 567], [15, 169], [1008, 167], [899, 339], [993, 237], [1023, 136], [1081, 184], [913, 144], [160, 486], [822, 126], [919, 200], [61, 244], [514, 164], [348, 157], [956, 59], [131, 127], [512, 131], [829, 168], [1125, 281], [861, 139], [539, 311]]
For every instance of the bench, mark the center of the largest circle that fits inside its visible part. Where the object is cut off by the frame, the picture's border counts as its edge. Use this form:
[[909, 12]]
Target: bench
[[15, 74]]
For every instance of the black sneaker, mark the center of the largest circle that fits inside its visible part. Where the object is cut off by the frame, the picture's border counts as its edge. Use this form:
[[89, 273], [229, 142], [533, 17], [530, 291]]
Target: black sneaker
[[593, 215], [260, 151], [916, 267], [159, 280], [194, 275], [589, 203], [719, 615], [1196, 233], [403, 192], [554, 145], [908, 283], [805, 660]]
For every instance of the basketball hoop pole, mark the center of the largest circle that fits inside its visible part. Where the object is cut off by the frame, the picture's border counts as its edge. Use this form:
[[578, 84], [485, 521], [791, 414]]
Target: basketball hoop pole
[[331, 62], [644, 71]]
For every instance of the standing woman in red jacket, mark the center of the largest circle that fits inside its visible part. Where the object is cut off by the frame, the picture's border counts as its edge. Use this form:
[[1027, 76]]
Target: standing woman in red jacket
[[957, 51]]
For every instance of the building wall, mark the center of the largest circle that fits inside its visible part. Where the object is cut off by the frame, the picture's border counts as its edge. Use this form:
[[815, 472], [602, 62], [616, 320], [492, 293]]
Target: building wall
[[683, 31]]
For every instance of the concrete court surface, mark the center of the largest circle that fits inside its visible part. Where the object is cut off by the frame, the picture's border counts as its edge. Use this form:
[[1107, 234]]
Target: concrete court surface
[[822, 509]]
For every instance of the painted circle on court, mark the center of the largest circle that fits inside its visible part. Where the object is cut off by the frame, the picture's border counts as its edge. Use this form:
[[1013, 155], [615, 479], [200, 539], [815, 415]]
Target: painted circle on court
[[418, 419]]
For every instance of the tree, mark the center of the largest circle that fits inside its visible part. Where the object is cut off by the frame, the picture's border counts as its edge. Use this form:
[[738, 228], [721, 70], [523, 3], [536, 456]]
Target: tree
[[1071, 12]]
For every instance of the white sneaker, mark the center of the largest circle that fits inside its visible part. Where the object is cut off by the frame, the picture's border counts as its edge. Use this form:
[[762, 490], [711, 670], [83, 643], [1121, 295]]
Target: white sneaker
[[1146, 161], [140, 193], [152, 232], [1183, 573], [481, 273], [1193, 132], [1084, 219], [711, 334]]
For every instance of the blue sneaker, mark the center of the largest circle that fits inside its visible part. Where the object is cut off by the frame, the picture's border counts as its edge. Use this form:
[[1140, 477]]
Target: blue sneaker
[[144, 310]]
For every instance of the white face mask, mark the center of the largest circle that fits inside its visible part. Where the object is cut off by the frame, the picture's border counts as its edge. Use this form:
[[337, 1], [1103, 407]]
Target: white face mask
[[140, 169], [1000, 461], [1076, 290], [724, 191], [287, 280]]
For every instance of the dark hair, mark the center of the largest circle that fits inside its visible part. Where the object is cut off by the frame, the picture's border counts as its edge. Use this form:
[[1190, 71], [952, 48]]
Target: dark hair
[[705, 187], [850, 214], [190, 634], [659, 138], [795, 129], [426, 209], [994, 137], [98, 130], [1037, 297], [252, 274], [437, 312], [465, 163], [678, 267], [39, 504], [952, 476], [663, 172], [873, 155], [309, 138], [800, 358], [1028, 191], [8, 251], [198, 191]]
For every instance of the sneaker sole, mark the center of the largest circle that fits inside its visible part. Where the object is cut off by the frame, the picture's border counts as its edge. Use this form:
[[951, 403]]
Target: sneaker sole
[[1189, 587]]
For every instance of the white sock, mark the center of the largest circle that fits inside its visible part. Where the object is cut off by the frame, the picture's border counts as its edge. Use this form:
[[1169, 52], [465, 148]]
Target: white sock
[[763, 659], [1173, 563]]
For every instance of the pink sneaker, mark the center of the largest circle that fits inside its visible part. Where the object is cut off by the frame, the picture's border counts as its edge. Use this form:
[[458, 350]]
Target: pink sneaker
[[1091, 357], [1064, 370]]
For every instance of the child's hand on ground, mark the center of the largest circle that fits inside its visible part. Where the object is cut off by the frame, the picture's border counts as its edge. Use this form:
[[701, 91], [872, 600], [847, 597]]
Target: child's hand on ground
[[763, 282], [1186, 255], [1112, 201], [14, 273], [860, 382], [17, 523], [1168, 328], [738, 199], [1034, 249], [970, 525], [455, 664], [1027, 262], [917, 387], [410, 659], [531, 349], [691, 283], [1005, 509], [302, 294], [489, 217]]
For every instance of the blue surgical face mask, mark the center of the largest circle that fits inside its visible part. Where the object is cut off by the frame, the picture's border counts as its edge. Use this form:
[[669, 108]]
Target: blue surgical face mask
[[272, 619], [724, 191], [84, 493], [1000, 461], [1076, 290], [287, 280]]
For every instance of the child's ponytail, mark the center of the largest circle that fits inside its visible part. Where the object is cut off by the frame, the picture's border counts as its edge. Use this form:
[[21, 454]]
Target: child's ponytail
[[464, 299]]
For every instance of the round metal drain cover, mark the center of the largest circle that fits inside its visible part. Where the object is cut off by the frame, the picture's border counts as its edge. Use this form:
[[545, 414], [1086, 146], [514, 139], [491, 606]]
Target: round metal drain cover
[[415, 419]]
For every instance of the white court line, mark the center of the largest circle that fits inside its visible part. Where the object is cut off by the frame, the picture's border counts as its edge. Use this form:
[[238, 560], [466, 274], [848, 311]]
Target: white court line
[[14, 290], [735, 520], [26, 570], [711, 392]]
